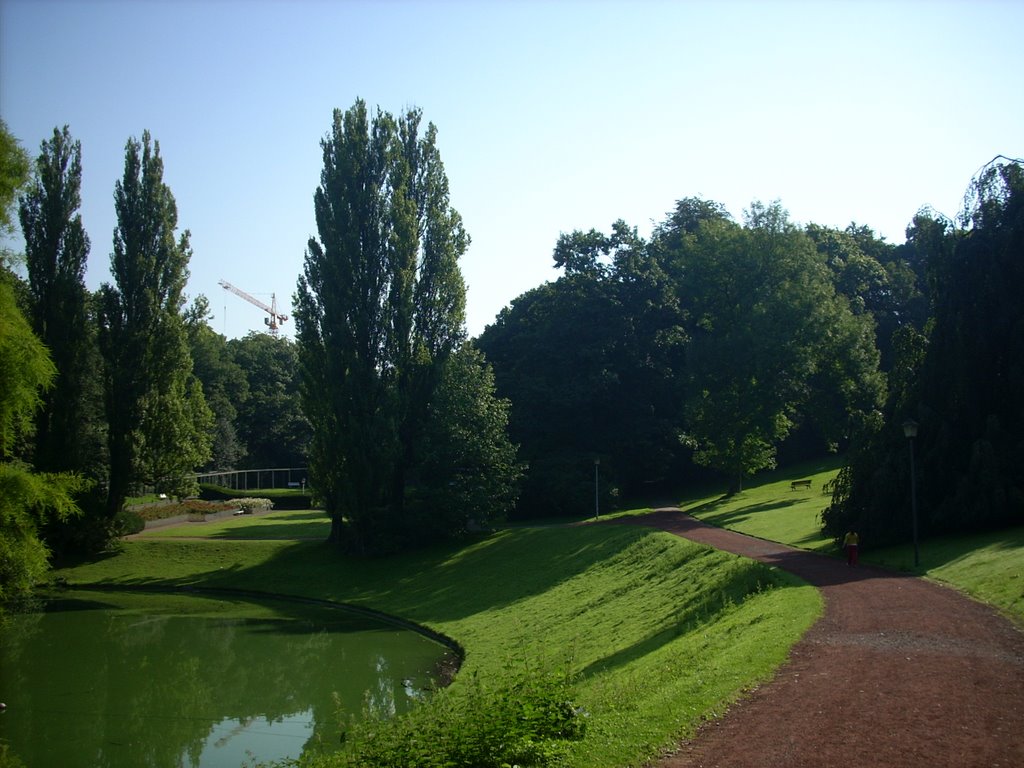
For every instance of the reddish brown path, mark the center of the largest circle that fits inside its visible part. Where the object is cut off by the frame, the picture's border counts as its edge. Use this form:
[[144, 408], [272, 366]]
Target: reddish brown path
[[898, 672]]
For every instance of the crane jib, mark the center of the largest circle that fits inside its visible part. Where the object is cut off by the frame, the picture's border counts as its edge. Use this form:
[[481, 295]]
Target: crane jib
[[275, 316]]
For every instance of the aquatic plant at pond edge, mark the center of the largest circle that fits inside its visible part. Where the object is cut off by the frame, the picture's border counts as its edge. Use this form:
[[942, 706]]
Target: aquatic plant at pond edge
[[526, 718]]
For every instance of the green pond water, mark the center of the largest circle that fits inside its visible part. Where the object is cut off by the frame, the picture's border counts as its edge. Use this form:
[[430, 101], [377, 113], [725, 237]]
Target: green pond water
[[112, 680]]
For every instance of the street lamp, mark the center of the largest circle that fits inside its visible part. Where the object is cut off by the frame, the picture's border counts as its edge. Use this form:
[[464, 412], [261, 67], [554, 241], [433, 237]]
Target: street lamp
[[910, 431], [597, 498]]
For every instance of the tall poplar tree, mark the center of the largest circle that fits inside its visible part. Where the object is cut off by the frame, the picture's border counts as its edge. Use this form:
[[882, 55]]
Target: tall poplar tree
[[158, 424], [379, 310], [56, 250]]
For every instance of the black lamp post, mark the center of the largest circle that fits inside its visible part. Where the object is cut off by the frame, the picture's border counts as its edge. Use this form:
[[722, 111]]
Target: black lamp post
[[910, 431], [597, 498]]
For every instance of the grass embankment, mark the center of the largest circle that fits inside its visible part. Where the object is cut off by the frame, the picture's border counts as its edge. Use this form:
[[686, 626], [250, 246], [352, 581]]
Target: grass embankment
[[988, 566], [660, 631], [770, 508]]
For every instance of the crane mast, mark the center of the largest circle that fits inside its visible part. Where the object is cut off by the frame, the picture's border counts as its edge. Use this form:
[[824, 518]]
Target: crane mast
[[275, 318]]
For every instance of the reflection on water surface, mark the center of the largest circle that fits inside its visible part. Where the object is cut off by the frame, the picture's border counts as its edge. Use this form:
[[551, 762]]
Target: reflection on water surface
[[102, 680]]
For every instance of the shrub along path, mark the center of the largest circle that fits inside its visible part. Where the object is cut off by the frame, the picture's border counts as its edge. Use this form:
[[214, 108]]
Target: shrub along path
[[898, 672]]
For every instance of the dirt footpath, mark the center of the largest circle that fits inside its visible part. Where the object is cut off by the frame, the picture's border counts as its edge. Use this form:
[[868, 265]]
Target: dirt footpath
[[898, 672]]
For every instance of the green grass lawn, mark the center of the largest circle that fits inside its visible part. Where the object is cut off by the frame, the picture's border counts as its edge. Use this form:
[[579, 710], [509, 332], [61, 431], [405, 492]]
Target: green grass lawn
[[659, 632], [770, 508], [987, 566]]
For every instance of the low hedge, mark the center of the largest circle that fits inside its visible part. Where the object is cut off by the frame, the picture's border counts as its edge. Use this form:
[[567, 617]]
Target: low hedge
[[283, 498]]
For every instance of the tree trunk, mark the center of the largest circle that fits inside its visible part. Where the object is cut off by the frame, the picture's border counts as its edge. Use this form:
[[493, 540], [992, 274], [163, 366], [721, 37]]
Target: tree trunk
[[336, 536], [119, 477], [735, 484]]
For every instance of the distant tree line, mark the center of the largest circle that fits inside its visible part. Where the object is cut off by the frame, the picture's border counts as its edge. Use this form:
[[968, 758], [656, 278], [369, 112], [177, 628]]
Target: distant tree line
[[698, 353], [715, 349]]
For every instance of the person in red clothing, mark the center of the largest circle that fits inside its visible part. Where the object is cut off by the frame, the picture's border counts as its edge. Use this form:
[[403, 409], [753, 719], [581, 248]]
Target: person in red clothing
[[851, 542]]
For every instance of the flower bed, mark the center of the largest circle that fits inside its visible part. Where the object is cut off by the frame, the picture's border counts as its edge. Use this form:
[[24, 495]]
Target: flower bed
[[193, 508]]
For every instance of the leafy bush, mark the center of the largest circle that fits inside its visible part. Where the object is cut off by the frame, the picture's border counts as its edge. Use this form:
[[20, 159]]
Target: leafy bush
[[523, 721], [8, 759], [283, 498], [126, 522]]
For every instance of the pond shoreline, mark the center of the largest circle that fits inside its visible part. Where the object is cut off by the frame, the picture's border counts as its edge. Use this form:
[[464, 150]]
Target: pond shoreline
[[397, 621]]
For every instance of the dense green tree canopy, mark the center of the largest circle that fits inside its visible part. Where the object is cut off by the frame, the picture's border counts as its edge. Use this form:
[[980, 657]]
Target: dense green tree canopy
[[588, 362], [962, 380], [27, 498], [26, 370], [876, 278], [270, 423], [710, 343], [224, 384], [552, 353], [713, 343], [379, 311], [466, 470], [769, 339]]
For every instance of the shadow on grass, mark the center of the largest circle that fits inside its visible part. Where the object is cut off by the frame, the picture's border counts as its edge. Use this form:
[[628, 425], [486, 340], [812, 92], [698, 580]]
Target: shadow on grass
[[439, 584], [631, 653], [77, 558], [275, 526], [736, 587], [739, 514], [293, 615], [312, 514], [270, 531], [817, 543], [946, 550], [824, 571]]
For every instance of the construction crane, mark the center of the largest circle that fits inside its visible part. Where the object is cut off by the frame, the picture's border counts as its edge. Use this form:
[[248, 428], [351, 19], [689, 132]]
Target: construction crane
[[275, 316]]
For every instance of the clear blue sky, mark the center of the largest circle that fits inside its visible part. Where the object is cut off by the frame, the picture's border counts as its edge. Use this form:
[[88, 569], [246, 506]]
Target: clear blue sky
[[551, 116]]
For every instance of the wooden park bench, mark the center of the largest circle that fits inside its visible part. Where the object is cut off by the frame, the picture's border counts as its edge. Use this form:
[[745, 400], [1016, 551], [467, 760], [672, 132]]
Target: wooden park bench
[[799, 484]]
